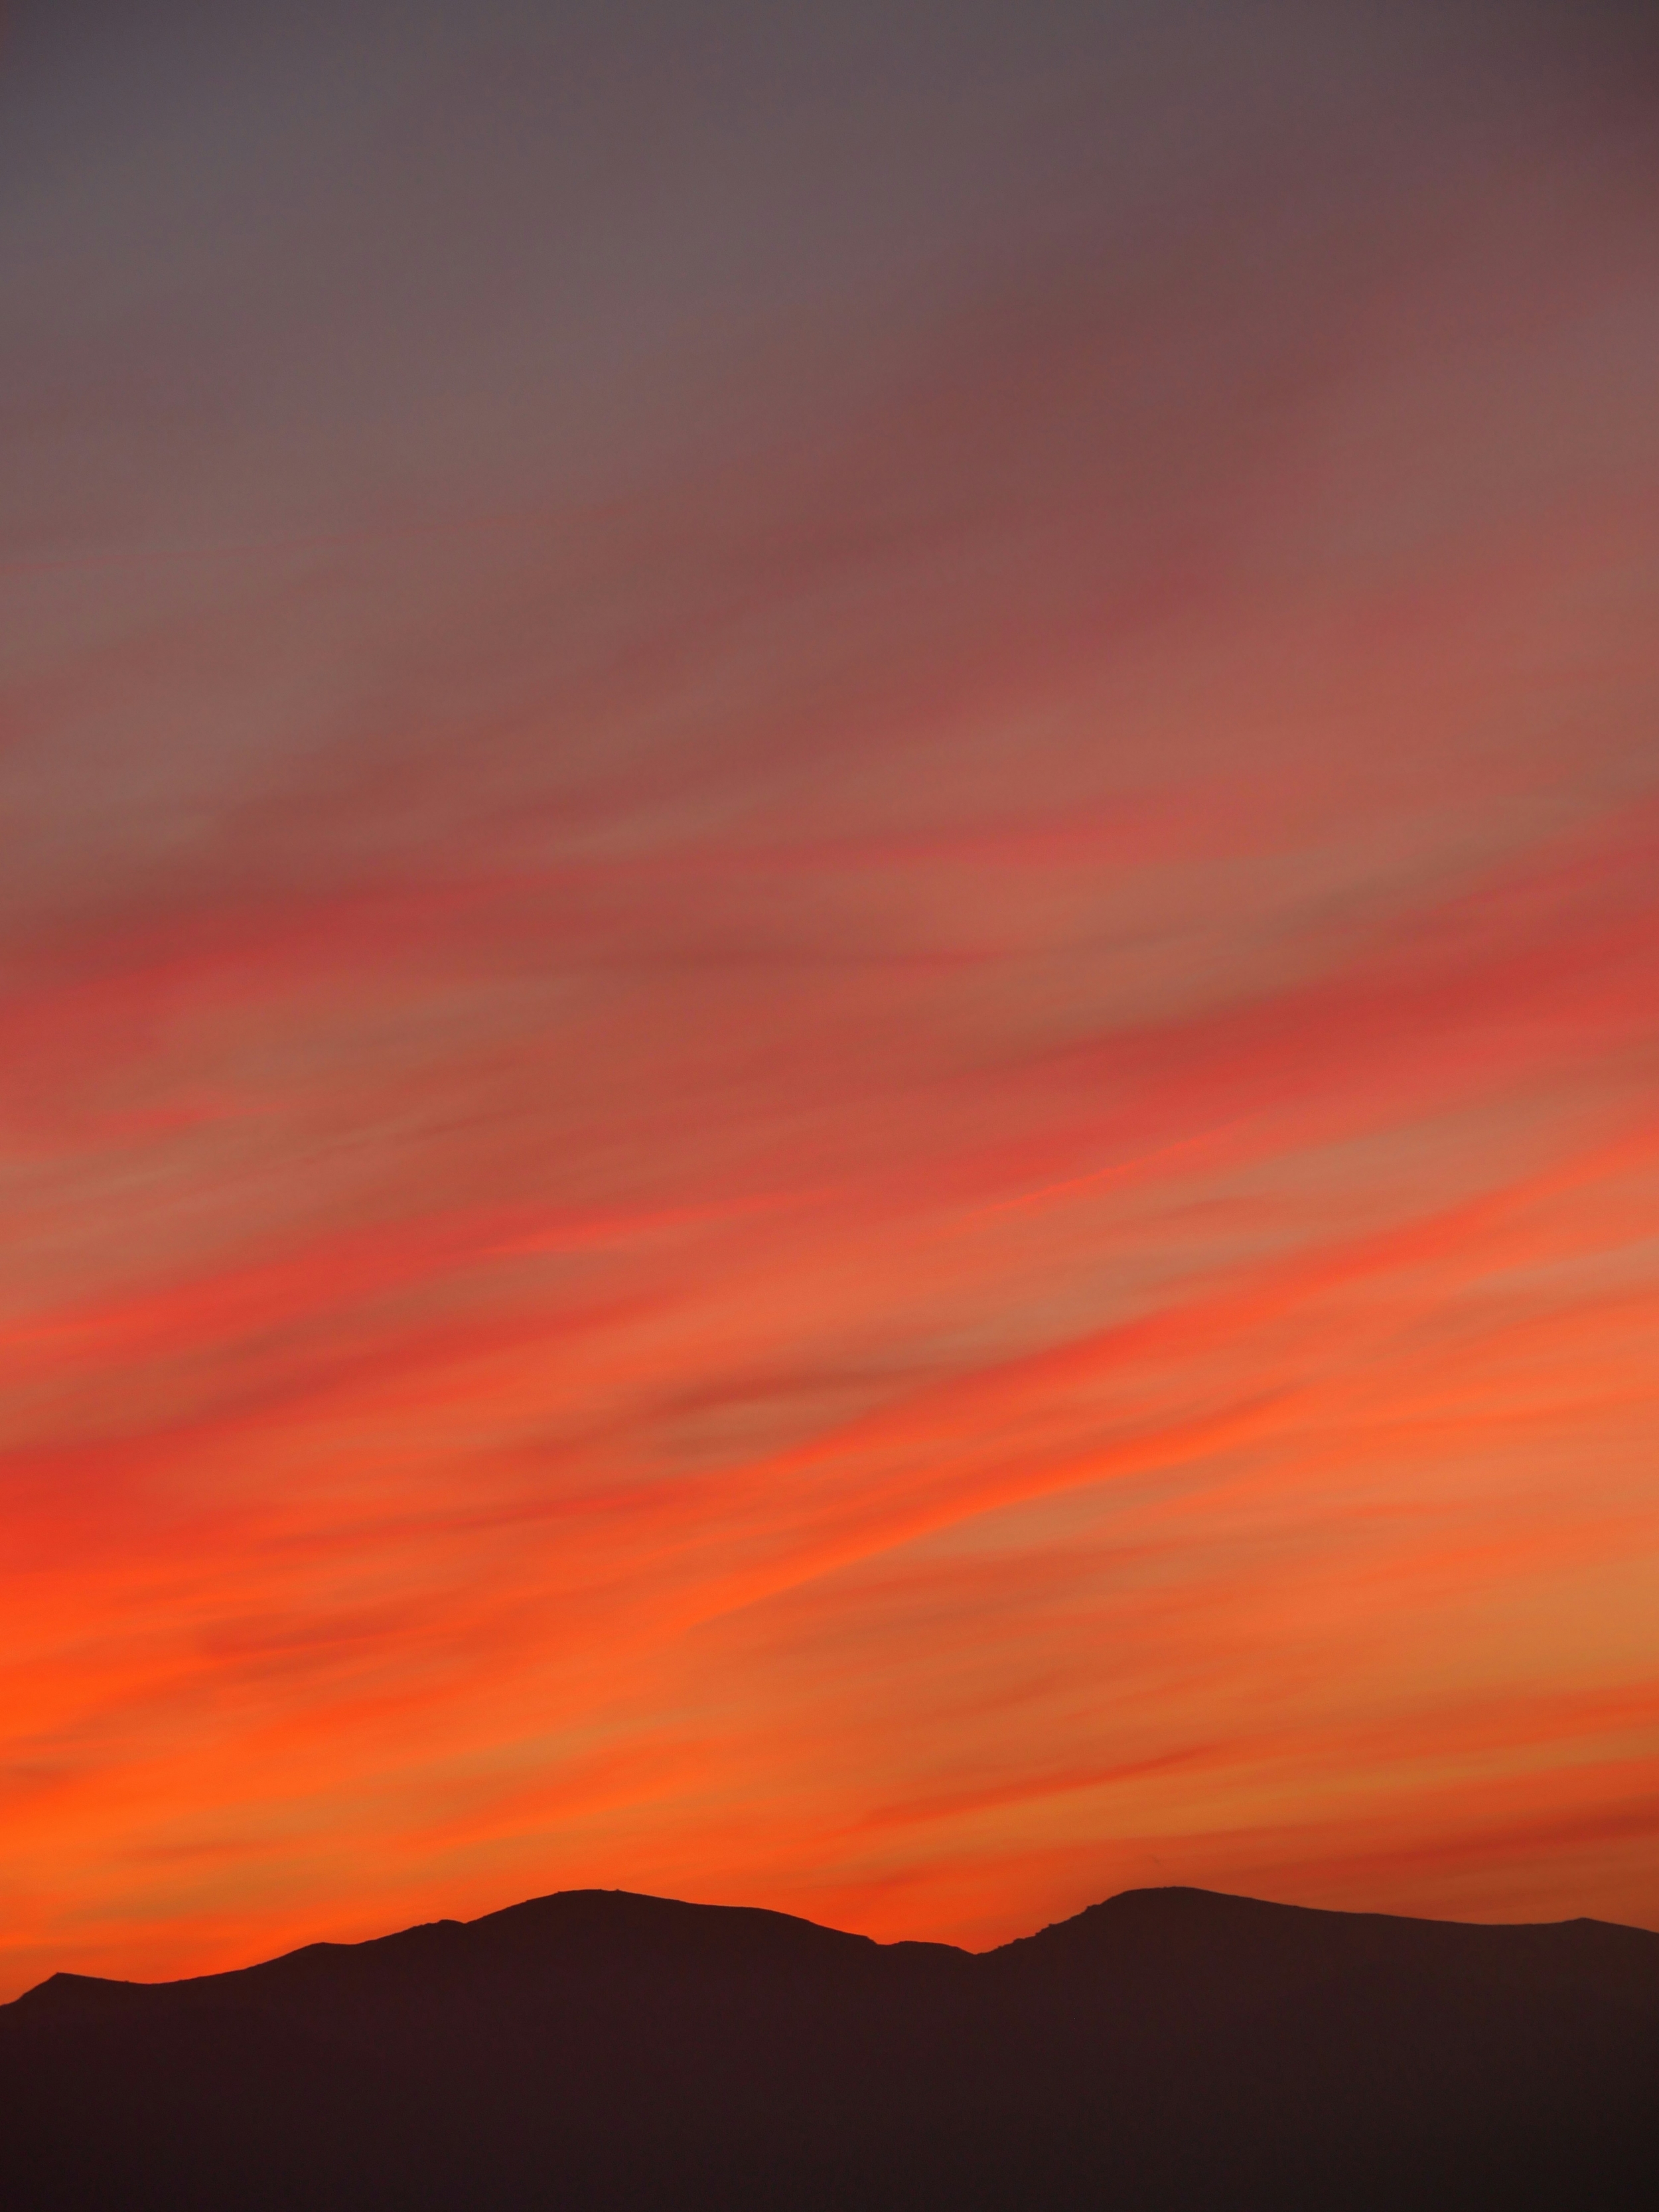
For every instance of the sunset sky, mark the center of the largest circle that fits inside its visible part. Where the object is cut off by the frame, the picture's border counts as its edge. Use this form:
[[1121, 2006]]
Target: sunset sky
[[828, 962]]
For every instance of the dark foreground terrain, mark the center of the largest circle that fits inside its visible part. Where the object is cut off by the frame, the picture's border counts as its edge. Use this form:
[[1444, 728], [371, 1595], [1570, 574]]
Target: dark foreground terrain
[[1170, 2048]]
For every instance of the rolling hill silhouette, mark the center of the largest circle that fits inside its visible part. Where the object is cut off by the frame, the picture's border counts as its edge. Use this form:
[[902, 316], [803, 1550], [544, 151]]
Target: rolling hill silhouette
[[1170, 2048]]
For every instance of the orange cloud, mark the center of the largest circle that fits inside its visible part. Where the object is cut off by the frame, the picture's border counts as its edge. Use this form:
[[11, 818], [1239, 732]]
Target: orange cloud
[[891, 1144]]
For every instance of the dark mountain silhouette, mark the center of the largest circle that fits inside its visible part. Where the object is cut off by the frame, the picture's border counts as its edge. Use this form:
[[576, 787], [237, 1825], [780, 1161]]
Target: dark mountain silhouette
[[1171, 2049]]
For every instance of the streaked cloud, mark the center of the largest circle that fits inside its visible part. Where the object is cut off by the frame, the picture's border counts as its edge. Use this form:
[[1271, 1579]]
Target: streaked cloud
[[828, 964]]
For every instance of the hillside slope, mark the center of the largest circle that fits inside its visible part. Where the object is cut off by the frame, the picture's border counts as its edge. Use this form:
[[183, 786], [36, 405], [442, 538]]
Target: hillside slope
[[1168, 2048]]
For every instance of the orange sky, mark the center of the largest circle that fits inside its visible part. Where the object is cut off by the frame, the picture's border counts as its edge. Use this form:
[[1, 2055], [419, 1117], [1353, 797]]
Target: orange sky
[[831, 966]]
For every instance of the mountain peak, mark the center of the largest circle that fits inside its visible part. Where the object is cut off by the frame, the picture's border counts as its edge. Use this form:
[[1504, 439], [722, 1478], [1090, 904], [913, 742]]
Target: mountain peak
[[1172, 2046]]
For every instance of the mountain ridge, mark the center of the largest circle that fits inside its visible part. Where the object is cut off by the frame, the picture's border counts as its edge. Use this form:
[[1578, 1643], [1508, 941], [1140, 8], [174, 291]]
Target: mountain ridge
[[1128, 1898], [604, 2049]]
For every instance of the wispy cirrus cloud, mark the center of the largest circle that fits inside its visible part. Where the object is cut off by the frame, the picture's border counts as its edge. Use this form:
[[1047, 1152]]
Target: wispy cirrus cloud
[[826, 965]]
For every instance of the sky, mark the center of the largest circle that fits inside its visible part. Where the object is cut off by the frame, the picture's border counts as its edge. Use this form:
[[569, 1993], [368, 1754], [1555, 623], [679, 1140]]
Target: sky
[[828, 963]]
